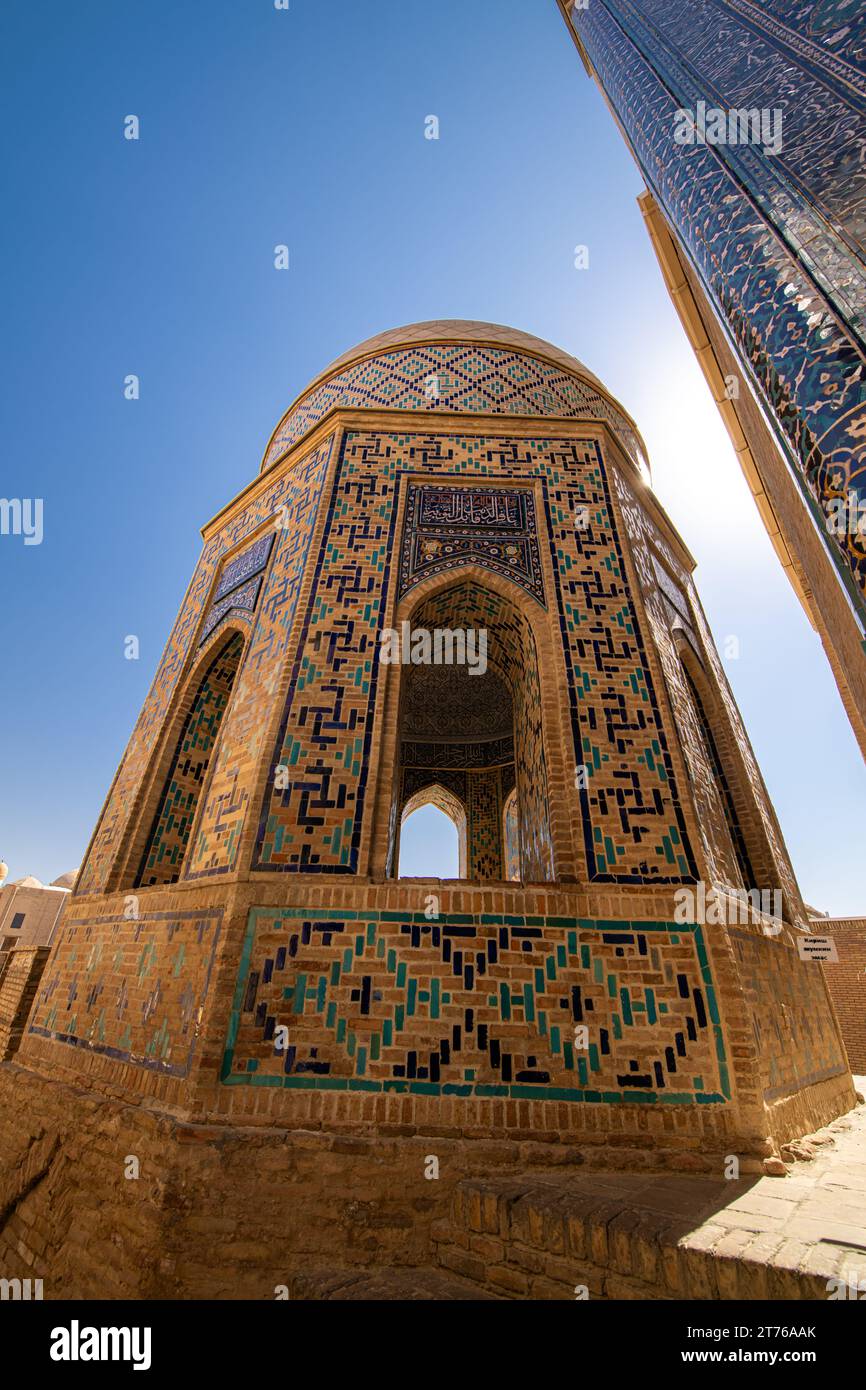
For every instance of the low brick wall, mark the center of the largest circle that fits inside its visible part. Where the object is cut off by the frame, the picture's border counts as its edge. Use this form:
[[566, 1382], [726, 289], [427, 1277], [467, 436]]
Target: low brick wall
[[102, 1199], [540, 1238], [214, 1212]]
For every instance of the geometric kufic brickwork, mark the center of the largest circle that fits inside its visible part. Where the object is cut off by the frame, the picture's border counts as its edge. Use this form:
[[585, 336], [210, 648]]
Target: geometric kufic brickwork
[[547, 1001], [384, 1001], [633, 826], [768, 862], [296, 494], [233, 786], [588, 782]]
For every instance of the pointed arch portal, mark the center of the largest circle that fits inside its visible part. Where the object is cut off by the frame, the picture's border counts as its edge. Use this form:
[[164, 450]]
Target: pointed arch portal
[[470, 734]]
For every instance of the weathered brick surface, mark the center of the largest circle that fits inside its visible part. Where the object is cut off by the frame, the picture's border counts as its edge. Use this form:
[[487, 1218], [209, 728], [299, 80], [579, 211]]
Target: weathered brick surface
[[642, 1237], [20, 973]]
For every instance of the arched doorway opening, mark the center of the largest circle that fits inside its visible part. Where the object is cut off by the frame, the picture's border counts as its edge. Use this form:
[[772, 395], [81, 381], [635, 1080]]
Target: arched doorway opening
[[470, 723], [433, 835], [169, 834]]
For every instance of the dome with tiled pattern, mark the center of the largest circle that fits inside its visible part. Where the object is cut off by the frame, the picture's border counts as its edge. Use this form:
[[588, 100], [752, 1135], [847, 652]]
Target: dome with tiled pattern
[[456, 366]]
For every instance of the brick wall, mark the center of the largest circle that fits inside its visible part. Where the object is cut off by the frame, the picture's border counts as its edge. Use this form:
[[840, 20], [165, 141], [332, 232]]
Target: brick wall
[[846, 982], [21, 973], [40, 909]]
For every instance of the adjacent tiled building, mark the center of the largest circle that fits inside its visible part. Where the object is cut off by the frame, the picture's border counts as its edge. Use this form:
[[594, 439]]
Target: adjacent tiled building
[[747, 119]]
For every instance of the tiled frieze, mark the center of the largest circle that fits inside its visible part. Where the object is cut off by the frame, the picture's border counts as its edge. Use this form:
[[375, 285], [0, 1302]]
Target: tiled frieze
[[525, 1007], [491, 752], [457, 377], [130, 989], [446, 527], [239, 584]]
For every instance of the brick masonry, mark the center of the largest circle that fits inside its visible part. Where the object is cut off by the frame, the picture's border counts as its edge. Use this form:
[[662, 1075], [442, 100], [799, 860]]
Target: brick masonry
[[846, 981], [20, 973]]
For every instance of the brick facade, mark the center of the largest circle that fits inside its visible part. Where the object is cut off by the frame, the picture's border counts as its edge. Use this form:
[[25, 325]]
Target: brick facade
[[846, 981]]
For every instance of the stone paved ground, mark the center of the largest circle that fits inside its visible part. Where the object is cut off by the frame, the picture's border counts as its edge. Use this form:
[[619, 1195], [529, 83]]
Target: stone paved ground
[[819, 1206]]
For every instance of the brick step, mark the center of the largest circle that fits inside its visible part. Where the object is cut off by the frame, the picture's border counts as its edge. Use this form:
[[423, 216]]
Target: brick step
[[622, 1236], [405, 1285]]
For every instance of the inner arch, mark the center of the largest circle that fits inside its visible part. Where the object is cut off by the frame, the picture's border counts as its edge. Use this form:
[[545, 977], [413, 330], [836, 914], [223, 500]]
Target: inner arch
[[474, 731]]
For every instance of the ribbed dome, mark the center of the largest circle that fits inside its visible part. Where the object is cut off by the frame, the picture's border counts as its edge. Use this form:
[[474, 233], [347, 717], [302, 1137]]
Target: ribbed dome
[[477, 368]]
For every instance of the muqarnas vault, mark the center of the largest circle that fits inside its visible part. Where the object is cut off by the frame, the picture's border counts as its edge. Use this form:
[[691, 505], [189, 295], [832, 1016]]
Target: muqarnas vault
[[241, 974]]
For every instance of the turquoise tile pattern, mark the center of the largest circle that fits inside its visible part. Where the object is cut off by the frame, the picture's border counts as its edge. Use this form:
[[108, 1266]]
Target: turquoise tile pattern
[[513, 1006]]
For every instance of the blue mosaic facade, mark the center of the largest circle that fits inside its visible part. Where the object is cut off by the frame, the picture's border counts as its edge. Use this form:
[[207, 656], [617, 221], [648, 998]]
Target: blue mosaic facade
[[777, 239]]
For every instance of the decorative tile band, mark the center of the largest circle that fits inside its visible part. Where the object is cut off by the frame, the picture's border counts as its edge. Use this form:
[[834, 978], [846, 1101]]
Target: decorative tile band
[[455, 377], [488, 1006]]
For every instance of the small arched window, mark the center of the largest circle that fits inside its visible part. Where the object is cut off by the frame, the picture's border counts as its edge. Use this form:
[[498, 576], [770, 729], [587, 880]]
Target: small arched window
[[433, 836], [169, 835]]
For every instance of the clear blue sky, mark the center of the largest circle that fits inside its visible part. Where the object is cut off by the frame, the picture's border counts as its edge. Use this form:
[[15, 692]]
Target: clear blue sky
[[306, 127]]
